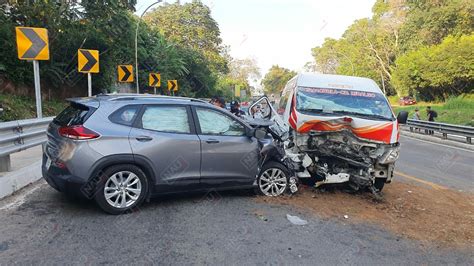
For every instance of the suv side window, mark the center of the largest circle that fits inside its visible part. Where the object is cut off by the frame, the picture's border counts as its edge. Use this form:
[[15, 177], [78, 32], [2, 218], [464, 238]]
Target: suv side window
[[125, 115], [172, 119], [216, 123]]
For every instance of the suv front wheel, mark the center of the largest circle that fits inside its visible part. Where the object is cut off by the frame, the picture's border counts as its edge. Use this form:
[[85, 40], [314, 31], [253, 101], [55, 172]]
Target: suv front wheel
[[123, 188], [273, 179]]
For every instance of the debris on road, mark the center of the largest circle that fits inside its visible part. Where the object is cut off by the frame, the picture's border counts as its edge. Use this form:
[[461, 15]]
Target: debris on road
[[440, 216], [261, 216], [296, 220]]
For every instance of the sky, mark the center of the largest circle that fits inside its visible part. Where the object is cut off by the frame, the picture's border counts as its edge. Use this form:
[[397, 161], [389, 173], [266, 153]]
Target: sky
[[280, 32]]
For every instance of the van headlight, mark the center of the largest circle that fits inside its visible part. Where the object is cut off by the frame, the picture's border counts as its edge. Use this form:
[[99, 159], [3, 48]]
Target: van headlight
[[390, 156]]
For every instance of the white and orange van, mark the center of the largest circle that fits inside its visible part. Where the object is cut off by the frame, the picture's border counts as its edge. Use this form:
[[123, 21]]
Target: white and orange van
[[337, 129]]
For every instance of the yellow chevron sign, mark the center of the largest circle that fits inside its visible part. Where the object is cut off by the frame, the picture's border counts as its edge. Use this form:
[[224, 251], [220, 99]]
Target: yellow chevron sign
[[172, 85], [125, 73], [32, 43], [154, 80], [88, 61]]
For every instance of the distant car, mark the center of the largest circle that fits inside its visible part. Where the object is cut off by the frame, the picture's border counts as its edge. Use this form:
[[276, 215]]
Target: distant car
[[122, 149], [244, 106], [407, 100]]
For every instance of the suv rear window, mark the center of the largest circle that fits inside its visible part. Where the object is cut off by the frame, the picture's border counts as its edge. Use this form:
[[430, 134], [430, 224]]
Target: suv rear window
[[74, 114]]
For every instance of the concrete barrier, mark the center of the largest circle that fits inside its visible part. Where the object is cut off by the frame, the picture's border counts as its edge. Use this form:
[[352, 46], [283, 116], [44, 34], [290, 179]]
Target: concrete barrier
[[15, 180]]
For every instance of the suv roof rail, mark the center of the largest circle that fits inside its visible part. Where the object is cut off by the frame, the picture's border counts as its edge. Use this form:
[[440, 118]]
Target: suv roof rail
[[131, 96]]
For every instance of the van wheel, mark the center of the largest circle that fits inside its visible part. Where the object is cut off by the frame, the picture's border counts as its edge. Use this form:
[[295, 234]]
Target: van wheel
[[123, 188], [273, 180]]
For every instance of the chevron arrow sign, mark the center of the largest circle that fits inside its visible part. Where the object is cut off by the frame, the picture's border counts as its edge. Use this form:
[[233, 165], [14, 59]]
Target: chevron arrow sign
[[88, 61], [125, 73], [32, 43], [154, 80]]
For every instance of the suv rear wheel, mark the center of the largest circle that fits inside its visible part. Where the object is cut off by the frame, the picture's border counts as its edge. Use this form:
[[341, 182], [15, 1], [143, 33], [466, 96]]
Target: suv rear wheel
[[123, 188]]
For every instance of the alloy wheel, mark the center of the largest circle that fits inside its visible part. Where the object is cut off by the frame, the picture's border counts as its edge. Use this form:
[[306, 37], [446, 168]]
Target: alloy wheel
[[273, 182], [122, 189]]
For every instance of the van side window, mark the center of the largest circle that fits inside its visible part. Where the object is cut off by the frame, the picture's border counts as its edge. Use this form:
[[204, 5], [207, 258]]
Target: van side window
[[283, 102], [285, 95]]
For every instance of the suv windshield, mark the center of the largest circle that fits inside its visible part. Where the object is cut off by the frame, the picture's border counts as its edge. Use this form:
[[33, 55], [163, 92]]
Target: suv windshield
[[340, 101]]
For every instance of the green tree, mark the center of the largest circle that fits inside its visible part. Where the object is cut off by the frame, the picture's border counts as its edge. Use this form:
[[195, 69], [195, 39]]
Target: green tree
[[191, 25], [276, 79], [107, 26], [428, 22], [438, 71]]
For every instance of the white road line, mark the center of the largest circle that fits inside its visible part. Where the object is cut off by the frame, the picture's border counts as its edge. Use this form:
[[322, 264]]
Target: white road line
[[443, 145], [19, 199]]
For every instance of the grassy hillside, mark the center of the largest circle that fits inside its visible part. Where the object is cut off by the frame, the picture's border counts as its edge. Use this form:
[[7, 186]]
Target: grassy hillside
[[20, 107], [458, 110]]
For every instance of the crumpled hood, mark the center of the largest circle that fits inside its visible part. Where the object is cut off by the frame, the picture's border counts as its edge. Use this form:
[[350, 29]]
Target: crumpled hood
[[372, 130]]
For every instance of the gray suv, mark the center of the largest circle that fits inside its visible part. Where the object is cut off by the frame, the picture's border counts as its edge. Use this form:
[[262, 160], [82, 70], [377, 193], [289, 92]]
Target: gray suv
[[122, 149]]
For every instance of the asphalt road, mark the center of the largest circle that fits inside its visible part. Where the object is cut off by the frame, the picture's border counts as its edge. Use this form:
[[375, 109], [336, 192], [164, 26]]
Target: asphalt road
[[41, 226], [449, 167]]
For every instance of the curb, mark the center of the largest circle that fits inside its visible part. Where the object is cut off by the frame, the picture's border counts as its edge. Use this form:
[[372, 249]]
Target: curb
[[16, 180], [438, 140]]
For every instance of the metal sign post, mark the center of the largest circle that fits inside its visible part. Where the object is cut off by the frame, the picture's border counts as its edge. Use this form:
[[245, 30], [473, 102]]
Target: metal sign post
[[33, 44], [89, 84], [39, 112]]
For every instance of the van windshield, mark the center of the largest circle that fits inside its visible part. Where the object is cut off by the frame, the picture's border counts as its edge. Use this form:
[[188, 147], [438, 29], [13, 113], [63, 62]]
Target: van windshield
[[369, 105]]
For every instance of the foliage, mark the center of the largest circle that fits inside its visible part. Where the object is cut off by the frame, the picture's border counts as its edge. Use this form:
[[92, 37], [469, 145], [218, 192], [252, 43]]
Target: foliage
[[276, 79], [109, 26], [191, 25], [244, 69], [21, 107], [406, 29], [437, 71], [457, 110], [429, 22]]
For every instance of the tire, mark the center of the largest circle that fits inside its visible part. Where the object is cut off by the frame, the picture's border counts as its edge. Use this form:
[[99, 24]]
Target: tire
[[273, 179], [379, 183], [125, 181]]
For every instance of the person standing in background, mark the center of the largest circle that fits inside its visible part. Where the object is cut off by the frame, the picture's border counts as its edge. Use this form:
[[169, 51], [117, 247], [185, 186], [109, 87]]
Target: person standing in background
[[416, 115], [218, 101], [431, 114]]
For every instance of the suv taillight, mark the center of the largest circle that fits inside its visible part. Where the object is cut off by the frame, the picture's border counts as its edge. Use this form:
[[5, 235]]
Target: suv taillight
[[77, 132]]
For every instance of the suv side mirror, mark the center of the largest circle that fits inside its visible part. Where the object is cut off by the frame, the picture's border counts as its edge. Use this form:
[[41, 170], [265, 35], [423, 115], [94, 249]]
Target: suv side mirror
[[260, 133], [402, 117], [261, 109]]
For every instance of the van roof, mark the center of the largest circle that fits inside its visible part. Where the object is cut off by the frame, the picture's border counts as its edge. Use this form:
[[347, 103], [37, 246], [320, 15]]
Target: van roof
[[315, 80]]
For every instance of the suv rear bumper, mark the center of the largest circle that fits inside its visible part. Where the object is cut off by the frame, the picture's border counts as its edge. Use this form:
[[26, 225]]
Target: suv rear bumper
[[63, 181]]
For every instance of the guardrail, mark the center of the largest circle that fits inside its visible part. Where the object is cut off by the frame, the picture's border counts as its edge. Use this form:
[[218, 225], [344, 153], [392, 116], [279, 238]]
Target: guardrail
[[20, 135], [443, 128]]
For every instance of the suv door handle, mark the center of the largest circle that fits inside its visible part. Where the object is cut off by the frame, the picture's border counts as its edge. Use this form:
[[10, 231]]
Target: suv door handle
[[211, 141], [144, 138]]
